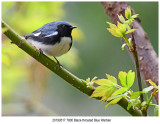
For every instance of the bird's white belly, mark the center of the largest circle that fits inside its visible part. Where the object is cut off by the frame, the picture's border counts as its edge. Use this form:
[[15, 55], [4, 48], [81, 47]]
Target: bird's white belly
[[57, 49]]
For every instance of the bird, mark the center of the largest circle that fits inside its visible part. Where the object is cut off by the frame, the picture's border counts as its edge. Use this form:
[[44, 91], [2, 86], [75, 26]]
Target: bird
[[52, 39]]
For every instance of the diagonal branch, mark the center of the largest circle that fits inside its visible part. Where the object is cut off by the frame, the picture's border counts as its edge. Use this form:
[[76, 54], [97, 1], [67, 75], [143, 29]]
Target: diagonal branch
[[148, 61], [46, 61], [62, 72]]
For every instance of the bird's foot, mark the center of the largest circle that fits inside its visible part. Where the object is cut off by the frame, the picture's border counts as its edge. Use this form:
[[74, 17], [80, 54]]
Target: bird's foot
[[40, 52], [20, 43], [59, 65]]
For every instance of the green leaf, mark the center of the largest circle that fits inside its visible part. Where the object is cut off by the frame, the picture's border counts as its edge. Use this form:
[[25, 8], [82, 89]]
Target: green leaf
[[94, 78], [105, 82], [108, 93], [114, 32], [123, 46], [121, 18], [134, 16], [130, 78], [120, 91], [128, 13], [112, 25], [114, 101], [130, 21], [117, 96], [130, 31], [99, 91], [105, 90], [146, 90], [127, 26], [113, 79], [119, 32], [122, 27], [88, 80], [126, 79], [156, 110], [135, 95], [122, 76]]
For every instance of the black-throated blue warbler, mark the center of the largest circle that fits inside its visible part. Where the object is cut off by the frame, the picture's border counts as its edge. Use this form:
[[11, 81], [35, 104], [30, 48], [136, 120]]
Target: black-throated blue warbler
[[53, 39]]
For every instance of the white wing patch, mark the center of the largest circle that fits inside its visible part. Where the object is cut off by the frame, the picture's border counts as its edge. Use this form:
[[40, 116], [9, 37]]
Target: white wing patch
[[54, 33], [37, 34]]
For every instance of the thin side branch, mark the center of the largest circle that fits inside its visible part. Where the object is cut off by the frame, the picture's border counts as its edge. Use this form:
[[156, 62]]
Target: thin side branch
[[148, 61], [62, 72]]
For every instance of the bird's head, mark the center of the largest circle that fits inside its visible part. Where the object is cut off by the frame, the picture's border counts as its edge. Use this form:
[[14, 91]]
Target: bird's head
[[64, 28]]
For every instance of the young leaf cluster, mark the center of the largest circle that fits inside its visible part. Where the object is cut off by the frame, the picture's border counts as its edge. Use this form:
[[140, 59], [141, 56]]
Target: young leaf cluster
[[108, 90], [123, 27], [90, 82], [136, 100]]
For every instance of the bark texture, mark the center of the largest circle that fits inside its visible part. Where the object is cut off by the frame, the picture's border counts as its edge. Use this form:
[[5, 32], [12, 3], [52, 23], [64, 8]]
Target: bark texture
[[148, 60]]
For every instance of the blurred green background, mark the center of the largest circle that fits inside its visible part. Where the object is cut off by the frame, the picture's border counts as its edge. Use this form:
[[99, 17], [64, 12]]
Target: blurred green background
[[29, 89]]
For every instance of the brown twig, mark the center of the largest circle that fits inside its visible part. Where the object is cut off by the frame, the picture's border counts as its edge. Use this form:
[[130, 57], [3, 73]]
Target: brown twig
[[148, 61]]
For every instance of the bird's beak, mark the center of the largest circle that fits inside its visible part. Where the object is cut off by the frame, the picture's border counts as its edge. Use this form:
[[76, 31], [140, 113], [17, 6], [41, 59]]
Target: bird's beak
[[73, 27]]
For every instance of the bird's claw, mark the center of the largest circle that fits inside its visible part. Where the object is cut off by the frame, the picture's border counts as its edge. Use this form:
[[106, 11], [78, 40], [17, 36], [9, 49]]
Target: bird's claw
[[20, 43], [40, 52], [59, 65]]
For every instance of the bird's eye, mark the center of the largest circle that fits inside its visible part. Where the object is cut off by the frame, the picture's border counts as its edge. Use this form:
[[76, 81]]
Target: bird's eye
[[63, 26]]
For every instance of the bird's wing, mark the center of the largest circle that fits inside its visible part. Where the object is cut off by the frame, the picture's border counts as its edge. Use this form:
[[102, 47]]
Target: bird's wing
[[46, 34], [43, 32]]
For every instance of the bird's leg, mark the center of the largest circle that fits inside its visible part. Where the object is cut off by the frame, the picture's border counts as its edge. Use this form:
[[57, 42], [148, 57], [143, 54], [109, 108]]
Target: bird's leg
[[40, 52], [59, 65], [20, 43]]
